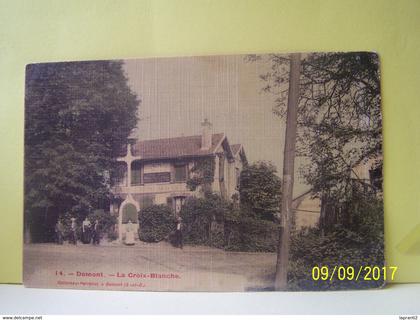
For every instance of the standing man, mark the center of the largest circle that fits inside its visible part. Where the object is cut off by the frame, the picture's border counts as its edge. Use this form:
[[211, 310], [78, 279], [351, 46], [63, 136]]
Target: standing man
[[95, 233], [59, 230], [73, 229]]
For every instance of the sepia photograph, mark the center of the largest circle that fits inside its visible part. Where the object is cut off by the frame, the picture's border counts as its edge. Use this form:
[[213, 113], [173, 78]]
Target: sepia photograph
[[259, 172]]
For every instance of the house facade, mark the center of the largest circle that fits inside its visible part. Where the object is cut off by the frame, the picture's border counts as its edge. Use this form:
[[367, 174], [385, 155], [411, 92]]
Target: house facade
[[157, 171]]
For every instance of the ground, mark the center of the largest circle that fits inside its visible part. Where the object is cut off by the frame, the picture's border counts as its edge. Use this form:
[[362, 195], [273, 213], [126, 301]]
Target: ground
[[116, 266]]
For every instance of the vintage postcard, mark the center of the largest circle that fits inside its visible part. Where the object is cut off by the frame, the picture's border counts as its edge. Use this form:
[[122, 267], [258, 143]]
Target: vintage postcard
[[214, 173]]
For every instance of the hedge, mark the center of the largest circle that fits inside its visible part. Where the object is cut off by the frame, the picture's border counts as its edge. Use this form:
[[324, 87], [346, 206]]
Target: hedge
[[156, 222], [252, 235]]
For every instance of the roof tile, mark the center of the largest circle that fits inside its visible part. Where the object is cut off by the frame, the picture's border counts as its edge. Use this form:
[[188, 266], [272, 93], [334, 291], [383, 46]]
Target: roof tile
[[174, 147]]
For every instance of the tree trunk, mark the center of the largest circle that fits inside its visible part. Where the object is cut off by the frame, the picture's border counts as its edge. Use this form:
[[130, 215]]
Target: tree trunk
[[288, 174]]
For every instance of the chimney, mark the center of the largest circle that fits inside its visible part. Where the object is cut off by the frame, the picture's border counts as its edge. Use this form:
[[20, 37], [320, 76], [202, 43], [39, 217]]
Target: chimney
[[206, 135]]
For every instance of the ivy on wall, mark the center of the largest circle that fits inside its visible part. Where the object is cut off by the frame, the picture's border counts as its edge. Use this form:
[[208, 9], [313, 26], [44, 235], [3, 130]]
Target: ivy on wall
[[202, 174]]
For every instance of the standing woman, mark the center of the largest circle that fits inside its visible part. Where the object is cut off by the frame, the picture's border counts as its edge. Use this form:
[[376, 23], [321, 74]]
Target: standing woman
[[178, 233], [129, 234]]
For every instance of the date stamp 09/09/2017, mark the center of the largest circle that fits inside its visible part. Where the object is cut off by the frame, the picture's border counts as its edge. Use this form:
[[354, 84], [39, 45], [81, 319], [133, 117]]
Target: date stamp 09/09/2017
[[351, 273]]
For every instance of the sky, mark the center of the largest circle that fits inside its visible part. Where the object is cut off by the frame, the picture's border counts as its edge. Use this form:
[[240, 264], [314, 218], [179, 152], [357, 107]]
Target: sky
[[177, 94]]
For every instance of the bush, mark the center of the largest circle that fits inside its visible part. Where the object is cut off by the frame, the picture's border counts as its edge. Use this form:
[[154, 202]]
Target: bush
[[356, 244], [215, 222], [252, 235], [156, 222], [217, 235], [342, 247], [203, 220], [260, 190]]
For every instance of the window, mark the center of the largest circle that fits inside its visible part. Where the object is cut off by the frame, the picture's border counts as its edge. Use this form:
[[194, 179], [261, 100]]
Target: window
[[146, 201], [157, 177], [179, 202], [221, 168], [180, 172], [135, 173]]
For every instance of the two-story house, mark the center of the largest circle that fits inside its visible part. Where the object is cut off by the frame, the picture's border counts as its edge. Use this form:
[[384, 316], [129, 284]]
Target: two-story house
[[156, 172]]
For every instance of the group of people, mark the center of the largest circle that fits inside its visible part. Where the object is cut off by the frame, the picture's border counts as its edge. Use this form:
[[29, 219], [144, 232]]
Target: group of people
[[90, 232]]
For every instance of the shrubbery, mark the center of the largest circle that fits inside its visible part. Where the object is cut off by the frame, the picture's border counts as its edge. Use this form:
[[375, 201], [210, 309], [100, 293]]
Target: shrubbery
[[156, 222], [203, 219], [251, 234], [355, 245], [260, 191], [216, 222], [340, 248], [219, 223]]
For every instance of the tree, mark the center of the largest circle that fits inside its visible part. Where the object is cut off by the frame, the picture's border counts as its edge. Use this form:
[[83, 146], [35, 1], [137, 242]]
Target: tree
[[280, 282], [339, 122], [260, 190], [346, 125], [339, 115], [78, 116]]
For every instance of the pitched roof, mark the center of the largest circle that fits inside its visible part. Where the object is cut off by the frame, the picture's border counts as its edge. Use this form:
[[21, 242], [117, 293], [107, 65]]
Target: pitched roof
[[235, 148], [174, 147]]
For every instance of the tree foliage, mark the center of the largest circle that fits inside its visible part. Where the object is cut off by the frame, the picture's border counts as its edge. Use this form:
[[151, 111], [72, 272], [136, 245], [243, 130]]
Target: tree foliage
[[339, 114], [339, 127], [78, 116], [260, 190]]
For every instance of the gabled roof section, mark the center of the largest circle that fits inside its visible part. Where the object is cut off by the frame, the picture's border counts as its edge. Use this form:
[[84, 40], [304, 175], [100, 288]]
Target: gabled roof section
[[235, 148], [239, 149], [174, 147]]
